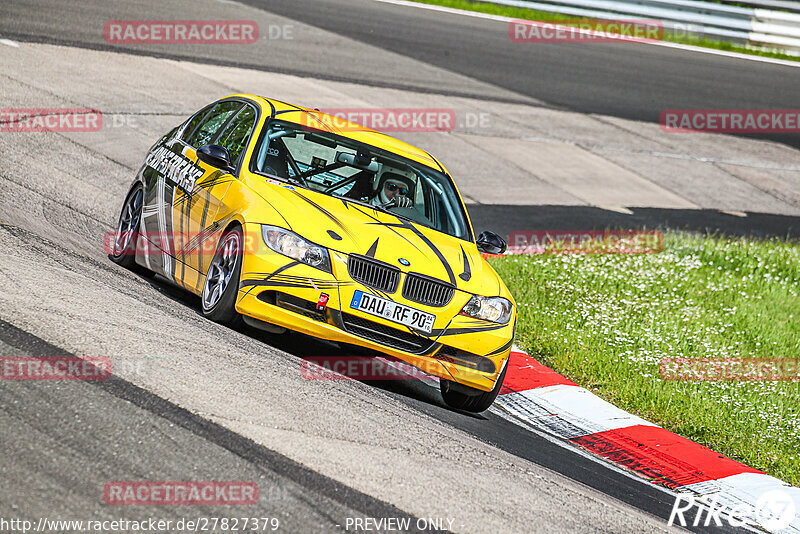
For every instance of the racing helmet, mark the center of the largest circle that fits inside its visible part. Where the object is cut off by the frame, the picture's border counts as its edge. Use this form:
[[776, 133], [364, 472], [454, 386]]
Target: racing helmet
[[408, 179]]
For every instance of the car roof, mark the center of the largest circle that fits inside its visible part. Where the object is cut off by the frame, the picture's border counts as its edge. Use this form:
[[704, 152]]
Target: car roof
[[335, 125]]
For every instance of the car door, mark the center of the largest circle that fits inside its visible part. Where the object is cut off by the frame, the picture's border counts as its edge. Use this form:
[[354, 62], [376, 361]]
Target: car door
[[195, 210], [206, 213], [156, 222], [172, 177]]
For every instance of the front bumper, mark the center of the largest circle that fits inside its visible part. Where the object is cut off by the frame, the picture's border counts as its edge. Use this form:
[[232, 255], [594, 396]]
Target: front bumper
[[280, 291]]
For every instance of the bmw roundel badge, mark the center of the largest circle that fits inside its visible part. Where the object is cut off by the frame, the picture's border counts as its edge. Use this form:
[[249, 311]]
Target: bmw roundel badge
[[404, 261]]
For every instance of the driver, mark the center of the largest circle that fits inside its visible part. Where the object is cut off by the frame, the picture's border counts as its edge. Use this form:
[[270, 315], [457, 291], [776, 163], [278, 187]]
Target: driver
[[394, 189]]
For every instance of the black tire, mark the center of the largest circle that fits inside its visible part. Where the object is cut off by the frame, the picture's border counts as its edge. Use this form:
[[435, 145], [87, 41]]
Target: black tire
[[469, 399], [222, 308], [123, 247]]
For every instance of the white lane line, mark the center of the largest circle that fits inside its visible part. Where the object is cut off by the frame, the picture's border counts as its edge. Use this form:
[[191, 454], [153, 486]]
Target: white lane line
[[666, 44], [9, 42]]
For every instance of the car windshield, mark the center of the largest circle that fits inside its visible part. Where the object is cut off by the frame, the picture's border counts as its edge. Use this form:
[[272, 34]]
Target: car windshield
[[345, 168]]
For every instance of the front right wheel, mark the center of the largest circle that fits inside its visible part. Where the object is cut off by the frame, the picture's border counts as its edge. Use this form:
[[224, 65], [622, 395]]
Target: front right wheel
[[469, 399]]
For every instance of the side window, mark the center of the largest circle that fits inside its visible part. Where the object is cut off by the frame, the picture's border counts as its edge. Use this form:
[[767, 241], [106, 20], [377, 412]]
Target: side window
[[193, 122], [237, 133], [212, 122]]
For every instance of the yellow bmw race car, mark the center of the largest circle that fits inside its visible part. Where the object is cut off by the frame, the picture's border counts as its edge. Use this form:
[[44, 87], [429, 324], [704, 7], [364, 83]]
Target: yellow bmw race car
[[287, 218]]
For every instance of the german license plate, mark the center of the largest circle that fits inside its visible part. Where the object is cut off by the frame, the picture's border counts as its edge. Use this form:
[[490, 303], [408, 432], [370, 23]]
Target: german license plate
[[393, 311]]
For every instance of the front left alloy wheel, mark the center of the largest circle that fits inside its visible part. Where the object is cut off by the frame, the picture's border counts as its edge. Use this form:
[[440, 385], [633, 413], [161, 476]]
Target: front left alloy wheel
[[123, 247], [222, 279]]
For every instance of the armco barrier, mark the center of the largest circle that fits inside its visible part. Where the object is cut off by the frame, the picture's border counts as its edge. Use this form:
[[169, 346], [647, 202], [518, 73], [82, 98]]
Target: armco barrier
[[757, 23]]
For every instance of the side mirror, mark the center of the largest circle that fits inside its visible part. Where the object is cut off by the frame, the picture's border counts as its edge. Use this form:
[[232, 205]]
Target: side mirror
[[491, 243], [216, 156]]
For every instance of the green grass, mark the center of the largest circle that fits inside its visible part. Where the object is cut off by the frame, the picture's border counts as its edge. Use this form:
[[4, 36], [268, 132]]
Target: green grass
[[607, 321], [543, 16]]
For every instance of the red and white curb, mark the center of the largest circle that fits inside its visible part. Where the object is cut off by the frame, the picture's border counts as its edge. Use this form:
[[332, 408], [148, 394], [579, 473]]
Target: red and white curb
[[541, 398]]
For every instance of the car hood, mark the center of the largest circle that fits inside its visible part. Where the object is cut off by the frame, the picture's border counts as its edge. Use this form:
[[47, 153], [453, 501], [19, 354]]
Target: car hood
[[349, 227]]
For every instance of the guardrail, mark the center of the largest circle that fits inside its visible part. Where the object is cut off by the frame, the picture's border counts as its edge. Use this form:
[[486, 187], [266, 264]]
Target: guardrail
[[785, 5], [752, 25]]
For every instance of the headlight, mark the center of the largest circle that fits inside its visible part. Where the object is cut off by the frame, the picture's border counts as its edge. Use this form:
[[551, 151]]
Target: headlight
[[292, 245], [494, 309]]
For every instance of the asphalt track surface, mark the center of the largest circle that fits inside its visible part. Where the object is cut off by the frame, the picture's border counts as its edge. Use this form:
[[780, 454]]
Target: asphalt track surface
[[87, 431], [630, 82], [149, 434], [63, 418], [634, 82], [463, 56]]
